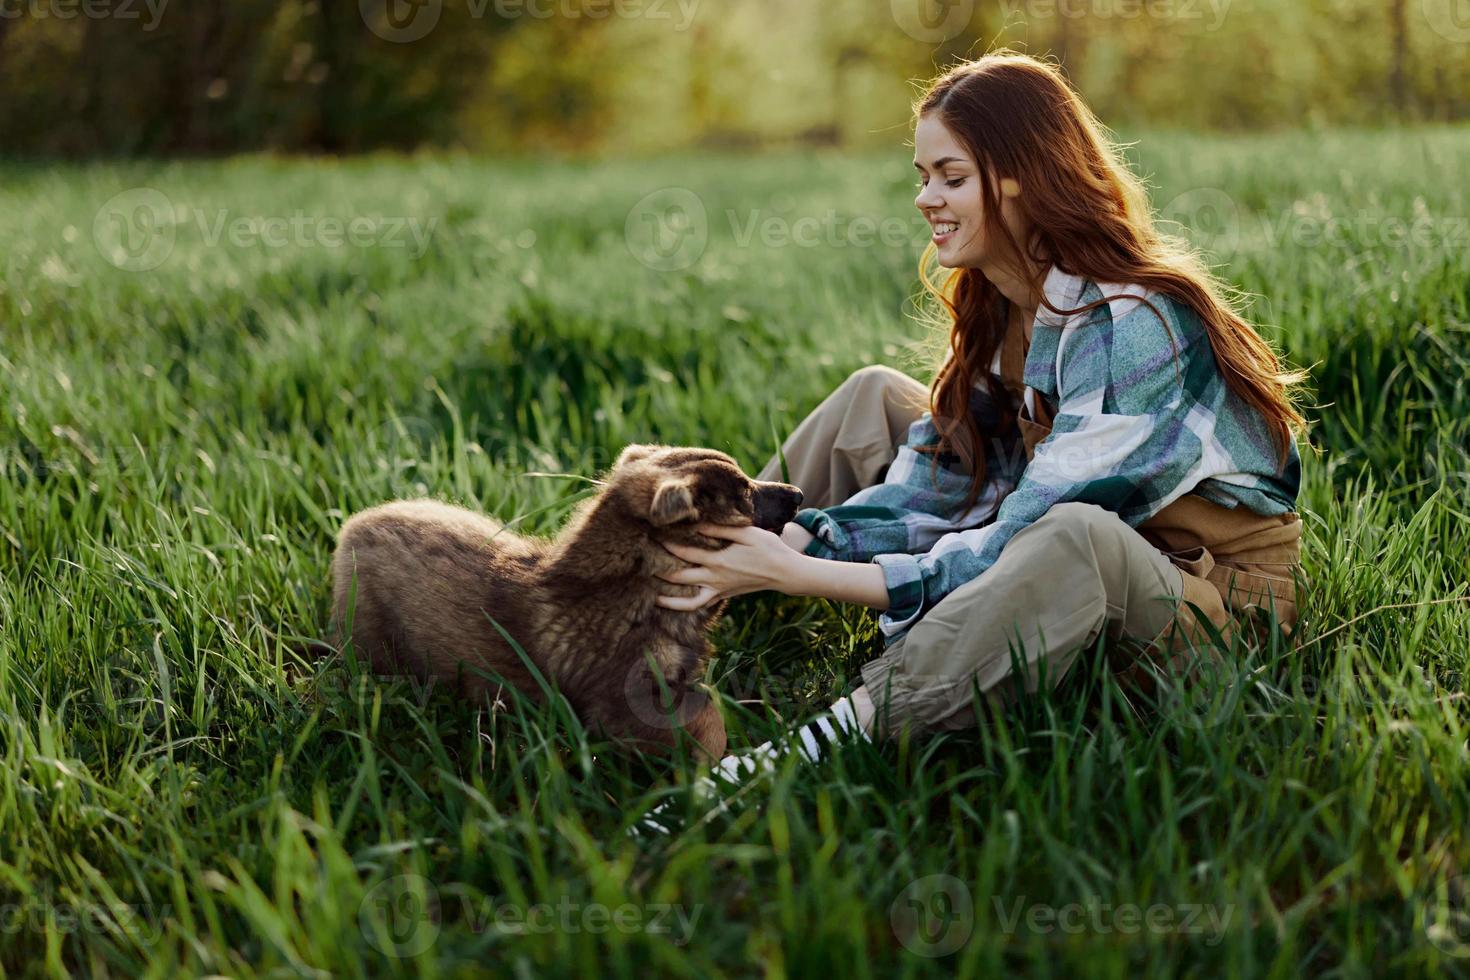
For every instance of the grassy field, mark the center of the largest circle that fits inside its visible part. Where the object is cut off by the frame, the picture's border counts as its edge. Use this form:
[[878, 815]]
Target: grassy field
[[201, 377]]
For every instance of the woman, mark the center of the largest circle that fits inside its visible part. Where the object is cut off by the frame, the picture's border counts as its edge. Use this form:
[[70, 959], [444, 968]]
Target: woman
[[1108, 444]]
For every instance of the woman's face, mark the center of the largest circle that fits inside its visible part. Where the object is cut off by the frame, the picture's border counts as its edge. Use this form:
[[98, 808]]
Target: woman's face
[[950, 198]]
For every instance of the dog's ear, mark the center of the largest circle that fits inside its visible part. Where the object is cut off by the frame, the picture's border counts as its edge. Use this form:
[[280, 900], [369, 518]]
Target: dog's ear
[[633, 453], [673, 501]]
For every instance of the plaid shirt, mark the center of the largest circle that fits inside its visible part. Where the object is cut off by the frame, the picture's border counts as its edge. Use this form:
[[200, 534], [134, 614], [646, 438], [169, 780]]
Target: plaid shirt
[[1133, 432]]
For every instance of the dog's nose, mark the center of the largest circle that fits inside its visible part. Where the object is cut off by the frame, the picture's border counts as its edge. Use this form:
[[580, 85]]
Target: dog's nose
[[775, 504]]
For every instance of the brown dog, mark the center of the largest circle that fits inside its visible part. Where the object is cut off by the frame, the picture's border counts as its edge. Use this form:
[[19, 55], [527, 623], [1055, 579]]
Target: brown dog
[[422, 580]]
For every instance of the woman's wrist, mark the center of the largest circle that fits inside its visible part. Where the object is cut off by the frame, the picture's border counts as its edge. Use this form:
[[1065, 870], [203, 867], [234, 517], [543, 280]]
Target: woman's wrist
[[796, 537]]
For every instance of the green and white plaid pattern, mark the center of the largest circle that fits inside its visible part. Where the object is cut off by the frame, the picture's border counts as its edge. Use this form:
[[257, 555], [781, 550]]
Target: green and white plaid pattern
[[1134, 430]]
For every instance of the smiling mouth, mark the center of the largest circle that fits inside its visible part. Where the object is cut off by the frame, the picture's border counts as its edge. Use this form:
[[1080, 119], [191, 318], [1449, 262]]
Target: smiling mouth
[[944, 231]]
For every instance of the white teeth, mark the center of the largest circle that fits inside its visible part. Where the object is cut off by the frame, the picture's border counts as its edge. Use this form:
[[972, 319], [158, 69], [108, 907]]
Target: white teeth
[[945, 227]]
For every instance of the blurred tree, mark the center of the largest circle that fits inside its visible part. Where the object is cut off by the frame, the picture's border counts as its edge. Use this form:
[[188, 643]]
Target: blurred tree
[[338, 76], [1398, 79]]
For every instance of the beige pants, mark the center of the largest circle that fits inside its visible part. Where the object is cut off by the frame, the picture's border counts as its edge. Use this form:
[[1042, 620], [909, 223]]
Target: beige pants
[[1076, 572]]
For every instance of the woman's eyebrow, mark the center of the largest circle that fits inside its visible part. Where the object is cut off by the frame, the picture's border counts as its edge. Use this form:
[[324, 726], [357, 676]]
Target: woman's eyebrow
[[940, 162]]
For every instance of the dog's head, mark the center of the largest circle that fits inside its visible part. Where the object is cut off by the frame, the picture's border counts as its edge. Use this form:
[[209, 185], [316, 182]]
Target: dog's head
[[673, 487]]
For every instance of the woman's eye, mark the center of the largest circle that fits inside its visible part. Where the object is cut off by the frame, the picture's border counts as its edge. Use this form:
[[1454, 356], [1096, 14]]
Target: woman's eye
[[955, 182]]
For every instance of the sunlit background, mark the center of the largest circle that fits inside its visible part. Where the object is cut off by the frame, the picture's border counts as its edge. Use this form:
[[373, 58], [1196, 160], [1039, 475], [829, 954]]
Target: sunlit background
[[124, 77]]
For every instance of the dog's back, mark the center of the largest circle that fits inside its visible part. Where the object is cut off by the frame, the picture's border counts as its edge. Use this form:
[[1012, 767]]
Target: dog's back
[[414, 585]]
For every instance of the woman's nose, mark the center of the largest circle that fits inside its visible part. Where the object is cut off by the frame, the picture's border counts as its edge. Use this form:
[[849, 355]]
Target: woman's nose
[[927, 198]]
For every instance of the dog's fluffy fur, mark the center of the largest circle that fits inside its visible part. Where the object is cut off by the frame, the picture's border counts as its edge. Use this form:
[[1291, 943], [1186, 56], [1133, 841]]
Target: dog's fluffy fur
[[422, 580]]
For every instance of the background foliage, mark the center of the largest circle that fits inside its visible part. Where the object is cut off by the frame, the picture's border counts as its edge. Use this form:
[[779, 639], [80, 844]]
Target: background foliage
[[614, 76]]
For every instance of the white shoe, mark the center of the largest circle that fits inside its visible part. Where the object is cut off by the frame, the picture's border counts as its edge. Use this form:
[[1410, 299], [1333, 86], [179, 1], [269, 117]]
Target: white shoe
[[813, 741], [733, 772]]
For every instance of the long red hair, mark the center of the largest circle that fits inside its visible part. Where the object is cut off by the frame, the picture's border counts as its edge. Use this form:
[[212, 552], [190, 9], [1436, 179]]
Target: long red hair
[[1019, 118]]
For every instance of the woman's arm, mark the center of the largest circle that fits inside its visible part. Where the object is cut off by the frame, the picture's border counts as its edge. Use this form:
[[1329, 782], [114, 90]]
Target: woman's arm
[[756, 560], [840, 581]]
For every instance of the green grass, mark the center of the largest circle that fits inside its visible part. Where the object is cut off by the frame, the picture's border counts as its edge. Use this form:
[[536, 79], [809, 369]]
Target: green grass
[[180, 792]]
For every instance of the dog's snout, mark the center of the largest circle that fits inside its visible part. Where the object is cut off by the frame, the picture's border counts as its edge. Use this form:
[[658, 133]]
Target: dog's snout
[[786, 495], [776, 504], [791, 495]]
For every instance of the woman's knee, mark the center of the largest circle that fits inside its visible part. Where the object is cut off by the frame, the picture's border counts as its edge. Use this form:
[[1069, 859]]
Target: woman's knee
[[1060, 554], [1081, 523], [876, 375], [900, 397], [1107, 557], [880, 379], [1077, 514]]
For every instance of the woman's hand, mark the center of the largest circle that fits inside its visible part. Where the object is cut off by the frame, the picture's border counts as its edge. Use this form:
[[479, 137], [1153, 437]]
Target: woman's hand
[[753, 561]]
